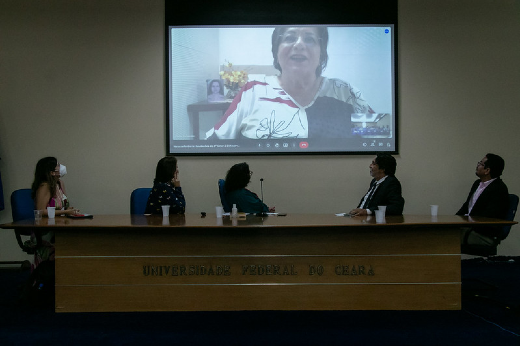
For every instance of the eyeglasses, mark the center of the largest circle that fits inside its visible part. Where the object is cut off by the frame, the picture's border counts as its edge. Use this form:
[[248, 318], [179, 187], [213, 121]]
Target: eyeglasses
[[250, 173], [480, 163], [309, 39]]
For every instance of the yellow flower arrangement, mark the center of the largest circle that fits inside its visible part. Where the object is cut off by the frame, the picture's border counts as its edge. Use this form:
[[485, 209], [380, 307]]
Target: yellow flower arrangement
[[233, 80]]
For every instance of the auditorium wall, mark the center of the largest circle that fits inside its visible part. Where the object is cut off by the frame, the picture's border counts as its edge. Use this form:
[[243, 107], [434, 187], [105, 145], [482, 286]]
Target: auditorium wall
[[85, 81]]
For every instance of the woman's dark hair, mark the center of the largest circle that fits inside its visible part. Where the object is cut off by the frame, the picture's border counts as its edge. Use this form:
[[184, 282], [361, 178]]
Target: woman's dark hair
[[210, 85], [496, 165], [237, 177], [165, 170], [386, 162], [42, 174], [323, 38]]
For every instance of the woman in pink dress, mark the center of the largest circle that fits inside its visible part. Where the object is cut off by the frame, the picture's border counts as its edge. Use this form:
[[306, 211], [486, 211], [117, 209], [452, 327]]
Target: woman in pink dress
[[48, 191]]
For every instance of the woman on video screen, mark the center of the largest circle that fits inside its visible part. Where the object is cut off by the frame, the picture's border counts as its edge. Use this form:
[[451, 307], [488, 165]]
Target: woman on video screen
[[300, 102]]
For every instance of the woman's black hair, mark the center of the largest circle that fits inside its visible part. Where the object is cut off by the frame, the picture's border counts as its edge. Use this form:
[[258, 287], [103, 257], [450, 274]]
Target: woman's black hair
[[165, 170], [237, 177], [323, 38], [42, 174]]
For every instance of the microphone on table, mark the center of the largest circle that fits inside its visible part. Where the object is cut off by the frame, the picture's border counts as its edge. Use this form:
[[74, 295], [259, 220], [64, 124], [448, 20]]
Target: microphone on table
[[262, 212], [262, 188]]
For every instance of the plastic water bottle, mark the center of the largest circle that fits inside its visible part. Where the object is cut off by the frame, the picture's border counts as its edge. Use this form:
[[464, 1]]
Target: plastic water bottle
[[234, 211]]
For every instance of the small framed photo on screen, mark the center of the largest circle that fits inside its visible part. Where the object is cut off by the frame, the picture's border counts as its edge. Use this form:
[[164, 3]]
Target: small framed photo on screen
[[215, 90]]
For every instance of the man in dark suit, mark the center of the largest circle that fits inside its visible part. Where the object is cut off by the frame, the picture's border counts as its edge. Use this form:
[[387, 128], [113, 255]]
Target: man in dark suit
[[488, 197], [385, 189]]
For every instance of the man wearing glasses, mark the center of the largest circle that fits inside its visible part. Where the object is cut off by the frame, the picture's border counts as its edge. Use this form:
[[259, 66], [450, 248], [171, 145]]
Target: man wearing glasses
[[384, 190], [488, 197]]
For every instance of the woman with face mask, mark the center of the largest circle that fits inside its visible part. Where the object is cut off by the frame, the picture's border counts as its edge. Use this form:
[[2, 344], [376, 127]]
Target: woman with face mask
[[47, 188], [48, 191]]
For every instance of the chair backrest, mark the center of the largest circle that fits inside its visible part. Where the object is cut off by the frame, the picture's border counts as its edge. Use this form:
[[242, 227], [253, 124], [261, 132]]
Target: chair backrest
[[511, 212], [22, 205], [22, 208], [138, 200], [222, 193]]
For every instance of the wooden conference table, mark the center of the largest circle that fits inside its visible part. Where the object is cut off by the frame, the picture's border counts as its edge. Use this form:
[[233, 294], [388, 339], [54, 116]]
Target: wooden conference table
[[293, 262]]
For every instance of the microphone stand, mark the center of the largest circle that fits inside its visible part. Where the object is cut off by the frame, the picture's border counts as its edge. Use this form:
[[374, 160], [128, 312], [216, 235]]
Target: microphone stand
[[262, 212]]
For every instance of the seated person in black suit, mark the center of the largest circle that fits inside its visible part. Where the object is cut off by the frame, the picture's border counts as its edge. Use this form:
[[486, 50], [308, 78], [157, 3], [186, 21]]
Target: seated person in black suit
[[488, 197], [385, 189]]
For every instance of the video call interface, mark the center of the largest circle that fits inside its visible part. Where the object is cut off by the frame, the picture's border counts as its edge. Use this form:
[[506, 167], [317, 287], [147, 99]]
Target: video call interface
[[225, 97]]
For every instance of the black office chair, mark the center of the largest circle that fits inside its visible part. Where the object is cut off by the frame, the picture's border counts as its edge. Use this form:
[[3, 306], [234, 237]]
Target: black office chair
[[222, 194], [138, 200], [491, 250], [475, 287], [22, 208]]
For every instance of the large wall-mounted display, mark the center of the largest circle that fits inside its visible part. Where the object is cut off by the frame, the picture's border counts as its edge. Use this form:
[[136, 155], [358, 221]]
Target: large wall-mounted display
[[238, 86]]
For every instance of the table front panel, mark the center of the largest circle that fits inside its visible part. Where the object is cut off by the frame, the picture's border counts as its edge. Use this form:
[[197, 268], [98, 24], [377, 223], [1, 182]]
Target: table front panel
[[294, 268]]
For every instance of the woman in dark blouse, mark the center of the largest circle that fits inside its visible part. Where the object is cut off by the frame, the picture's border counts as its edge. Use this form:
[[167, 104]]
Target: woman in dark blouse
[[237, 178], [166, 188]]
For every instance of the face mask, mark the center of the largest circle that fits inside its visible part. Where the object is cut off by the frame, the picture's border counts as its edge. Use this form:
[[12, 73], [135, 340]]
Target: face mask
[[63, 170]]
